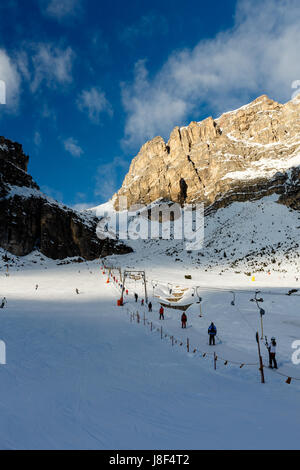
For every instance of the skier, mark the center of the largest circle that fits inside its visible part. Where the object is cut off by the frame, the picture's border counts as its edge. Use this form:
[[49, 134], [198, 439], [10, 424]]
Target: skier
[[136, 297], [126, 291], [36, 287], [150, 307], [183, 320], [77, 291], [3, 303], [161, 313], [272, 353], [212, 331], [142, 302]]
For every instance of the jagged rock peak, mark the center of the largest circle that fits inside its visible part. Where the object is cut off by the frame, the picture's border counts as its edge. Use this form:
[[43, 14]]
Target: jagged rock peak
[[244, 154], [13, 152]]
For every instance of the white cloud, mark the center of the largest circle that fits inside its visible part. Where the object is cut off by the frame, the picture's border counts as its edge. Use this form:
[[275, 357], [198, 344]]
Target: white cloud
[[260, 54], [48, 113], [94, 103], [22, 62], [51, 65], [61, 9], [81, 206], [146, 26], [11, 77], [39, 64], [37, 139], [98, 42], [54, 193], [108, 177], [71, 146], [80, 203]]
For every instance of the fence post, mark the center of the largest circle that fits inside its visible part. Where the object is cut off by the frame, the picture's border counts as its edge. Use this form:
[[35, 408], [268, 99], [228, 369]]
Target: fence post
[[261, 366], [188, 345], [215, 361], [161, 332], [172, 340], [144, 319], [151, 326], [262, 326]]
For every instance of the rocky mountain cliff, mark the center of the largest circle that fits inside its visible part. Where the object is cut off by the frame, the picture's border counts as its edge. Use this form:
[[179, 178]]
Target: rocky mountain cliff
[[243, 155], [30, 220]]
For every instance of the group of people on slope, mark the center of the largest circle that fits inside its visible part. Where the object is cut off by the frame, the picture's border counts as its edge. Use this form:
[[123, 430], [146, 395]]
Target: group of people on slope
[[212, 330], [183, 317], [212, 333]]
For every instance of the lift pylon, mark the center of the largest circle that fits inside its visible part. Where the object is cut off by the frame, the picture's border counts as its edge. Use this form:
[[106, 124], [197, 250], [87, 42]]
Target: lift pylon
[[130, 273]]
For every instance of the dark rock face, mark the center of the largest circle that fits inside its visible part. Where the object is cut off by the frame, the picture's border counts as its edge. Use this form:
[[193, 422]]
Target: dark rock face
[[29, 220], [14, 152], [291, 194]]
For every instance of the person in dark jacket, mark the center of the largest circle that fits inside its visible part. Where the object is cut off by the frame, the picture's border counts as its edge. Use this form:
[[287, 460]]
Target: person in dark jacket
[[212, 331], [136, 297], [272, 354], [183, 320], [150, 306], [161, 313]]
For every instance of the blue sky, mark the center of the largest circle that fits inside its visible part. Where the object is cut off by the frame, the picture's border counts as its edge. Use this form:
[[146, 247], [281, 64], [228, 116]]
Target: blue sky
[[88, 81]]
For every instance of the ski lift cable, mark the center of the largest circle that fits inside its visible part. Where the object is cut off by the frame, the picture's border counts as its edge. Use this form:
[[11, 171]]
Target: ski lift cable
[[224, 289], [200, 351], [220, 289], [243, 318], [243, 363], [285, 375]]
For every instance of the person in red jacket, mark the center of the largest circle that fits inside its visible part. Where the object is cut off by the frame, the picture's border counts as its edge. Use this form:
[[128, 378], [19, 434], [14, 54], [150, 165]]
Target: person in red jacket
[[183, 320], [161, 313]]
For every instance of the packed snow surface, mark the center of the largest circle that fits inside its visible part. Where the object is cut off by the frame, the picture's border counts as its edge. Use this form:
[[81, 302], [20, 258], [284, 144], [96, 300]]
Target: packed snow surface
[[80, 375]]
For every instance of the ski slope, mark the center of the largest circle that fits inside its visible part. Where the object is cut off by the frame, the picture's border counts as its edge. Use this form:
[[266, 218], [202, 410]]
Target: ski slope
[[79, 375]]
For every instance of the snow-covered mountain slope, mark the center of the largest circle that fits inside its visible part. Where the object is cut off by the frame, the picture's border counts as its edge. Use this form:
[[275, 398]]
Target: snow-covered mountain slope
[[258, 238], [80, 375]]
